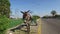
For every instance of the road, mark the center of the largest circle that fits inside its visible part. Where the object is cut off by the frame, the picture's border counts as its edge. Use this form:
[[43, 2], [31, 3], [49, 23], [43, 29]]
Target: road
[[50, 26]]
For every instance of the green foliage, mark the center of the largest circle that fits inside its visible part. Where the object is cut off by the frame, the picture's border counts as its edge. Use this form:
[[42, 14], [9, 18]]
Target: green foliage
[[35, 17], [47, 17], [44, 17], [53, 12], [6, 23], [57, 16], [5, 7], [3, 23]]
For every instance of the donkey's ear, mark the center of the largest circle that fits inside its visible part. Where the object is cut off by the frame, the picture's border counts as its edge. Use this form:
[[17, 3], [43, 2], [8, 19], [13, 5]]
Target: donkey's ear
[[28, 11], [21, 11]]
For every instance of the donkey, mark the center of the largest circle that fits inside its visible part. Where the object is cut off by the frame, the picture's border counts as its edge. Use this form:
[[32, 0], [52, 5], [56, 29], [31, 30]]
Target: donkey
[[27, 20]]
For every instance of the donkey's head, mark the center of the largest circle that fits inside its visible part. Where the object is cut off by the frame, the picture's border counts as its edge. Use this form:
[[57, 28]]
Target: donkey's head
[[26, 14]]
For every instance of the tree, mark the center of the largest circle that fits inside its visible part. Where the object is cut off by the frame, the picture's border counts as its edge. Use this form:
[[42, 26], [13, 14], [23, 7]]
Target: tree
[[53, 12], [5, 7]]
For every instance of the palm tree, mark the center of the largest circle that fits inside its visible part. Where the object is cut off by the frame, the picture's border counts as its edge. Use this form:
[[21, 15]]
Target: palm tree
[[53, 12]]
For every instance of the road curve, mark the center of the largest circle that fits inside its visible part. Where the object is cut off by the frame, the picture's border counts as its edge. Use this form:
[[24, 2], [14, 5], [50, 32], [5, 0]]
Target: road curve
[[50, 26]]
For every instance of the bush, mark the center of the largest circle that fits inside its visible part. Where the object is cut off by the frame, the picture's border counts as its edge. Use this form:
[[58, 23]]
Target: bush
[[35, 17], [3, 23]]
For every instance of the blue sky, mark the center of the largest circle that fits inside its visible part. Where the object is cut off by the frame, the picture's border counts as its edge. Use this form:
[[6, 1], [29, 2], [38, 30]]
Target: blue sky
[[37, 7]]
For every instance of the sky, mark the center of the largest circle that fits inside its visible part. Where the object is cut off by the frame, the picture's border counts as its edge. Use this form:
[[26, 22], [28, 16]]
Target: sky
[[37, 7]]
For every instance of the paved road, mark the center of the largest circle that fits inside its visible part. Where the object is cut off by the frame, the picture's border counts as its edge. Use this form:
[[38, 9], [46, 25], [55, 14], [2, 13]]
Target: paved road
[[50, 26]]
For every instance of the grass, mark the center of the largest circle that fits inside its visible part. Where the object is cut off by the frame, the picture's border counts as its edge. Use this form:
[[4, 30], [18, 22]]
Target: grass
[[6, 23], [14, 22]]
